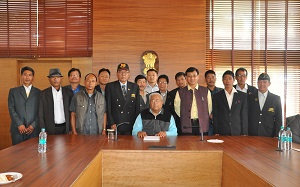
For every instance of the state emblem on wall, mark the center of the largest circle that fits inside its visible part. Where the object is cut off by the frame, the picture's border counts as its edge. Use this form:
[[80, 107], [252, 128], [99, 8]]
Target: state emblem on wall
[[149, 60]]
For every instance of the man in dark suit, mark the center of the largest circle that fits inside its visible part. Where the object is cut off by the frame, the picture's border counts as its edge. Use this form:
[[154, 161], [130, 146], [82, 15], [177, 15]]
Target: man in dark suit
[[23, 102], [230, 114], [265, 111], [180, 79], [123, 101], [54, 114], [241, 77]]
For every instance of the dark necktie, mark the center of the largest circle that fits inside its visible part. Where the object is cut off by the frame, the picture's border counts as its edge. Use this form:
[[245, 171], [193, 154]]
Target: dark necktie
[[124, 91]]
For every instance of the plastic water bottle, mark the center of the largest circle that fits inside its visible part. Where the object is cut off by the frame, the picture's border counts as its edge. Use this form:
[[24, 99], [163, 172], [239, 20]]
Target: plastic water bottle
[[42, 141], [279, 147], [289, 139], [283, 140]]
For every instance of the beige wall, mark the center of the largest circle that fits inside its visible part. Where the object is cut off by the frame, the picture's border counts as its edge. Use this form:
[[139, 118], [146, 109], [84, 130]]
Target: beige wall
[[122, 31]]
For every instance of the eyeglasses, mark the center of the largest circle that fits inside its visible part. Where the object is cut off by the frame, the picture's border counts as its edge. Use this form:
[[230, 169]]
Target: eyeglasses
[[242, 75], [162, 82]]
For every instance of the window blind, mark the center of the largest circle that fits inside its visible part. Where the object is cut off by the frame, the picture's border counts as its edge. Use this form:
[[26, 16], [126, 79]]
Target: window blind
[[261, 36]]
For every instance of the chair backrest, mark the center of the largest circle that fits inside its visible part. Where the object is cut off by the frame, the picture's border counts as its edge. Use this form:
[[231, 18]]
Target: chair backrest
[[294, 123]]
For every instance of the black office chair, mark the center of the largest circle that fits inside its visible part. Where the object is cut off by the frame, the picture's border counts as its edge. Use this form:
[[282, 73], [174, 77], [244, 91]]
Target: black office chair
[[294, 123]]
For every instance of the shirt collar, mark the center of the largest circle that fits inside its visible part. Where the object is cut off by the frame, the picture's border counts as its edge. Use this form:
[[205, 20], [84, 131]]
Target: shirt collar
[[196, 87], [28, 88], [160, 112], [53, 89], [263, 94], [239, 88], [232, 92], [123, 84]]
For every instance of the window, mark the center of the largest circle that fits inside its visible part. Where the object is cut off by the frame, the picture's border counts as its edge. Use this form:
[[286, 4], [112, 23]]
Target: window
[[41, 28], [262, 36]]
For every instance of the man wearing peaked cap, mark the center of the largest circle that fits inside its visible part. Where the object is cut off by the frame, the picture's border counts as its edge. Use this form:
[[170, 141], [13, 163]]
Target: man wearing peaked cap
[[54, 102], [123, 101], [265, 111]]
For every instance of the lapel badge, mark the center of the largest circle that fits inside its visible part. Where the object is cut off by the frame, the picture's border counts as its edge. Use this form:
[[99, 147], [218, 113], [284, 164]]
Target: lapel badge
[[256, 99], [271, 110], [133, 95]]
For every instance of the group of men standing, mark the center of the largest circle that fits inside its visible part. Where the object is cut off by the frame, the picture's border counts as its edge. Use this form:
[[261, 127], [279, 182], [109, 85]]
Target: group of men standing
[[144, 108]]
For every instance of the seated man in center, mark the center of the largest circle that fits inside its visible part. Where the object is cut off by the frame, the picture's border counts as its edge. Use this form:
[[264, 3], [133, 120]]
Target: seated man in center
[[155, 120]]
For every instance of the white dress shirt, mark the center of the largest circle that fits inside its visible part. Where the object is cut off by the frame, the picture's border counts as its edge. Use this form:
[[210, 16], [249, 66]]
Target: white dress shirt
[[230, 96], [242, 90], [27, 89], [262, 99], [59, 113]]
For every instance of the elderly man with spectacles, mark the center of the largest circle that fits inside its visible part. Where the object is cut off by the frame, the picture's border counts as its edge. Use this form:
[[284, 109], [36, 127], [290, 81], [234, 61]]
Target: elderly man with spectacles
[[155, 120]]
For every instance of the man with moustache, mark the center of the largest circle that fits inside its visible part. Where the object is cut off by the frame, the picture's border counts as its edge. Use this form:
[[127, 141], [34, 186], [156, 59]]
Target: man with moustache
[[230, 114], [210, 79], [74, 76], [88, 109], [54, 102], [123, 101], [180, 79], [23, 108], [241, 75]]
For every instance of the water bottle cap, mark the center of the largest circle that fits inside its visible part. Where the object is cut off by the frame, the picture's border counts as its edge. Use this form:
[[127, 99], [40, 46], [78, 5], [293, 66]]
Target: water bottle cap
[[288, 128], [43, 129]]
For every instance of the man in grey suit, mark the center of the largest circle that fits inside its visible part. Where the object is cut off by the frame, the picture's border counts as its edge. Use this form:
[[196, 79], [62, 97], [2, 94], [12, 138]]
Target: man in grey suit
[[54, 114], [23, 108]]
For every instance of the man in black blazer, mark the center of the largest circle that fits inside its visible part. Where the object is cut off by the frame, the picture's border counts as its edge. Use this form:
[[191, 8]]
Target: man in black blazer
[[123, 101], [23, 102], [241, 77], [180, 79], [230, 115], [54, 114], [265, 111]]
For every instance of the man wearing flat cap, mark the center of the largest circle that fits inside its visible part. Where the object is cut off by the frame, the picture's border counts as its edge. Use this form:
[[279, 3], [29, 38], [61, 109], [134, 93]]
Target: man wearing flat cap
[[54, 114], [265, 111], [123, 101]]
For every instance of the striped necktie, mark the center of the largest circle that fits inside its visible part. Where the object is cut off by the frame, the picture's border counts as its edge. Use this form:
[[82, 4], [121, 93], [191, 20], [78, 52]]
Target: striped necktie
[[123, 91]]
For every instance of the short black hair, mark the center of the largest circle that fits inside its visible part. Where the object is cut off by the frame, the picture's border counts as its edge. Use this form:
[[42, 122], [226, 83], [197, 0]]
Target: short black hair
[[241, 69], [192, 69], [90, 74], [102, 70], [179, 74], [209, 72], [163, 76], [139, 77], [228, 72], [152, 70], [74, 69], [27, 68]]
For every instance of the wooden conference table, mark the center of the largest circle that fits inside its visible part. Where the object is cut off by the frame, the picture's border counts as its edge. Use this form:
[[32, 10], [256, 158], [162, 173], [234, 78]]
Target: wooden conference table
[[77, 160]]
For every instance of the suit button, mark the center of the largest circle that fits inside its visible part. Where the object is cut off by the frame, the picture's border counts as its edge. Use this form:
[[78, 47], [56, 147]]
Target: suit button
[[119, 105], [121, 112], [260, 114], [259, 122], [229, 114]]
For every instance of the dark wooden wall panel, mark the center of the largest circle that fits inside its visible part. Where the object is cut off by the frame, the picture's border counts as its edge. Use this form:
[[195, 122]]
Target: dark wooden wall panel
[[174, 29]]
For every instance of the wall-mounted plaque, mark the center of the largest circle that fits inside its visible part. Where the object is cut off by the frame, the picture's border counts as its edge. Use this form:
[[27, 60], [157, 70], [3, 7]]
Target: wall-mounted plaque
[[149, 60]]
